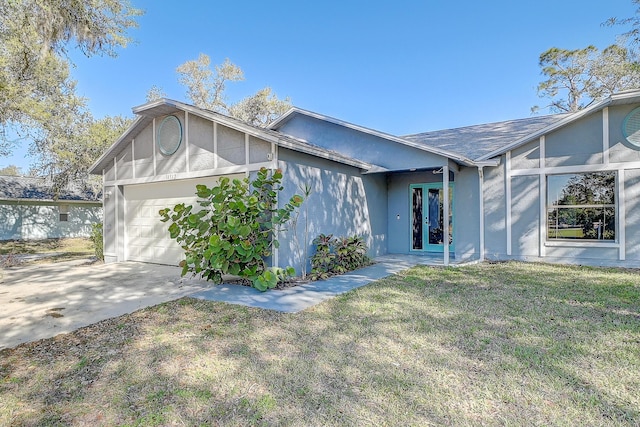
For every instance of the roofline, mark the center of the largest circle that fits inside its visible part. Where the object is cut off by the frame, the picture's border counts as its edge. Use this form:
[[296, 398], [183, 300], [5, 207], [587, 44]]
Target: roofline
[[67, 201], [285, 141], [444, 153], [560, 123], [92, 168]]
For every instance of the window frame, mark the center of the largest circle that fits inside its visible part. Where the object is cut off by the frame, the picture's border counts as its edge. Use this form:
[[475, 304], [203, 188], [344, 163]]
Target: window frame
[[63, 213], [582, 242]]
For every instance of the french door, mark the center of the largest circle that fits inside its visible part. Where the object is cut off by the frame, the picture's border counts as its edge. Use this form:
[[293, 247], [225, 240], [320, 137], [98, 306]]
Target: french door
[[427, 217]]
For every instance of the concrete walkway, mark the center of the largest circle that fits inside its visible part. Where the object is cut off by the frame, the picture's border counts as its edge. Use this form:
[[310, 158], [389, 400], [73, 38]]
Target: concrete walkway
[[293, 300], [44, 300]]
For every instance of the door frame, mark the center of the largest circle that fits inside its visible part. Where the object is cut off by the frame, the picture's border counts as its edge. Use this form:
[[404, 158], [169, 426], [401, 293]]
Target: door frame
[[426, 246]]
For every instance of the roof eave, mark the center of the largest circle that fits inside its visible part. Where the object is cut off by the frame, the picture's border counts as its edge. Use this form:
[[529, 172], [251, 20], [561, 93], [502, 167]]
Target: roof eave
[[34, 200], [97, 166], [444, 153], [611, 100], [143, 111]]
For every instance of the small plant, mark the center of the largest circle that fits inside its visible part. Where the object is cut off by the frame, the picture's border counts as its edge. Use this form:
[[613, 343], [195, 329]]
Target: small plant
[[322, 262], [97, 238], [337, 255], [351, 253]]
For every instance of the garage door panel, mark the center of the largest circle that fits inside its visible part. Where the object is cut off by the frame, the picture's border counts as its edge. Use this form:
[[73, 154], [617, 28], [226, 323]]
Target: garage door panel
[[147, 238]]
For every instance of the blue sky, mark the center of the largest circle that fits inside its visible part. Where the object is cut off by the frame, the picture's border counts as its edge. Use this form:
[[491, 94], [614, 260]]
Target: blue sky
[[400, 66]]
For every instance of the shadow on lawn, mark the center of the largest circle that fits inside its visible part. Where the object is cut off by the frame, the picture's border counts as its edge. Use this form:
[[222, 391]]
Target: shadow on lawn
[[459, 346]]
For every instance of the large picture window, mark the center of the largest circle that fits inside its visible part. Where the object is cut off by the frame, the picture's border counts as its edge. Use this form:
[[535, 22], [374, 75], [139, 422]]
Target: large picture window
[[581, 206]]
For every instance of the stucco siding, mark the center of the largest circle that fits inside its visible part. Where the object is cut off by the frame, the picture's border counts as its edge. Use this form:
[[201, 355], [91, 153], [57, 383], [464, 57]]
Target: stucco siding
[[231, 147], [109, 230], [495, 207], [143, 152], [41, 220], [201, 148], [526, 157], [343, 202], [579, 143], [124, 163], [466, 214], [110, 172], [632, 214], [525, 215], [359, 145], [619, 149], [259, 150]]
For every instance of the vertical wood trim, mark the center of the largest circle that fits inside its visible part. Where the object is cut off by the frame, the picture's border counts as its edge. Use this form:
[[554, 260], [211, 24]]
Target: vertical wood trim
[[445, 212], [133, 157], [542, 232], [153, 140], [605, 136], [115, 167], [119, 255], [507, 182], [274, 155], [246, 148], [481, 207], [543, 151], [621, 220], [104, 209], [186, 140], [215, 145], [125, 234]]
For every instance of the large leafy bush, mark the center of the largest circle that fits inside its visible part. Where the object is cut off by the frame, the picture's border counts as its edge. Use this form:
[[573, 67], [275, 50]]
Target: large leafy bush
[[234, 230]]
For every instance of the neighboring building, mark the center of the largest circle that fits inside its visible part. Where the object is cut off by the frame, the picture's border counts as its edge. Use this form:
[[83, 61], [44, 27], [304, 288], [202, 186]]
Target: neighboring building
[[29, 210], [560, 188]]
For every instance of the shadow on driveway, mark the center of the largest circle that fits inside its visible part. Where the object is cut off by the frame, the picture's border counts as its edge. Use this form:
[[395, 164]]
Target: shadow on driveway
[[41, 301]]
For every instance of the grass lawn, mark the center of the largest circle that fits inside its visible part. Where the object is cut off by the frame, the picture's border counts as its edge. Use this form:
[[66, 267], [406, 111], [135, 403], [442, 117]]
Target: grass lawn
[[64, 249], [491, 344]]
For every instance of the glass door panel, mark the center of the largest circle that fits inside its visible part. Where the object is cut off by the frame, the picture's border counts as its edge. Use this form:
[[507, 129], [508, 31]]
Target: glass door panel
[[427, 217], [417, 219]]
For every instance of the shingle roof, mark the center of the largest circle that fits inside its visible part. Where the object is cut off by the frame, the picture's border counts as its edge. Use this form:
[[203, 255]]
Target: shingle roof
[[35, 188], [475, 141]]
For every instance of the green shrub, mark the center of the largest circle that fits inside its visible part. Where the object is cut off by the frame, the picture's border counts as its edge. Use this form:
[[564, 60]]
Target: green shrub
[[323, 260], [234, 231], [96, 238], [337, 255]]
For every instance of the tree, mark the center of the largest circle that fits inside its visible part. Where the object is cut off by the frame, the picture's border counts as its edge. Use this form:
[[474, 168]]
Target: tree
[[67, 154], [206, 89], [36, 92], [261, 108], [155, 93], [11, 170], [633, 35], [576, 78]]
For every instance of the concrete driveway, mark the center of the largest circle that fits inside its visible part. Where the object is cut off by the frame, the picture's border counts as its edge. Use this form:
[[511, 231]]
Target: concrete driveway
[[41, 301]]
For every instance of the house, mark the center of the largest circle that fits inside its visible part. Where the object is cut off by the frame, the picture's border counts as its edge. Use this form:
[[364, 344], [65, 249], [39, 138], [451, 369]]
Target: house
[[558, 188], [29, 209]]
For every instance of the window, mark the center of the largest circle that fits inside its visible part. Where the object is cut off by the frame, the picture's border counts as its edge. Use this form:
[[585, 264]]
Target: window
[[64, 213], [581, 206]]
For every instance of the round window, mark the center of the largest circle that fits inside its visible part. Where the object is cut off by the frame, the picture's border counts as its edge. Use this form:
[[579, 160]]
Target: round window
[[631, 127], [169, 135]]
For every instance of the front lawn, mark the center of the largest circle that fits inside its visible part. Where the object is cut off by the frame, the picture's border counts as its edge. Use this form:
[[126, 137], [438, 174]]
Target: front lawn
[[491, 344], [57, 250]]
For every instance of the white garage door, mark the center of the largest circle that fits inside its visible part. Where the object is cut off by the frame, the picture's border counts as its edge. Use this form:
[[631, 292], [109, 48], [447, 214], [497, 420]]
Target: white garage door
[[147, 238]]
